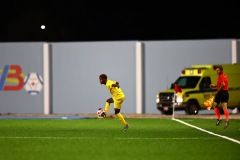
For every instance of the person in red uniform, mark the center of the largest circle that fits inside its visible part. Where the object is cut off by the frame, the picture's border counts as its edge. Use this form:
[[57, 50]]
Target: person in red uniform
[[221, 96]]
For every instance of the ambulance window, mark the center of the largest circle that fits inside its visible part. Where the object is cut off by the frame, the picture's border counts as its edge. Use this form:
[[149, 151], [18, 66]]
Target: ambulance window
[[205, 83], [187, 81]]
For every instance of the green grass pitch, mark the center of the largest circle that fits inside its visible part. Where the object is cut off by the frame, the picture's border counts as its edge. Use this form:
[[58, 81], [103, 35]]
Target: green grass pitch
[[90, 139]]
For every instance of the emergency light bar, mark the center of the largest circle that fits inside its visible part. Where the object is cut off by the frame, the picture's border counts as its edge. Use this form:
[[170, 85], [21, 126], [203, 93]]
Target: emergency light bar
[[199, 71]]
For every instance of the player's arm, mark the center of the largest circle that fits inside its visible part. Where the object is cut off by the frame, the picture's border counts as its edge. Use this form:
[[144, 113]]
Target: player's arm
[[116, 85], [220, 88], [213, 86]]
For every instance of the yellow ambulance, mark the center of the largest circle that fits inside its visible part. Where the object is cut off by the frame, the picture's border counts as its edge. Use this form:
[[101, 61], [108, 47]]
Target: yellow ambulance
[[194, 82]]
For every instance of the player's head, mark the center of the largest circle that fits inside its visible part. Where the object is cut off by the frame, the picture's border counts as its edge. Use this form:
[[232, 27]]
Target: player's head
[[219, 70], [103, 78]]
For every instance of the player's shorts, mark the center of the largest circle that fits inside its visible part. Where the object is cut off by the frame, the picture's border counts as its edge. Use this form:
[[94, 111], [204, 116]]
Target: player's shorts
[[222, 96], [118, 102]]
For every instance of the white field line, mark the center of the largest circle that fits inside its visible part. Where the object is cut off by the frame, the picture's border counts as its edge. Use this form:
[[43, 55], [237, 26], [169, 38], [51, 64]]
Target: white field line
[[133, 138], [225, 137]]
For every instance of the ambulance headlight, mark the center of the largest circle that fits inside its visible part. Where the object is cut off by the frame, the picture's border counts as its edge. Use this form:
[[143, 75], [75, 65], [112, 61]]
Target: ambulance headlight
[[157, 99], [179, 99]]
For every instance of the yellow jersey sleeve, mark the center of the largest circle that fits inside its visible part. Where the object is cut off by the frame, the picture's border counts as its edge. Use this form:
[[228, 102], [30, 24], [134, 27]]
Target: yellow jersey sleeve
[[115, 91]]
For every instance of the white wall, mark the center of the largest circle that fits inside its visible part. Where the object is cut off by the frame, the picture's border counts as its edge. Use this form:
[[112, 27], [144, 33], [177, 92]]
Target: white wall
[[77, 65]]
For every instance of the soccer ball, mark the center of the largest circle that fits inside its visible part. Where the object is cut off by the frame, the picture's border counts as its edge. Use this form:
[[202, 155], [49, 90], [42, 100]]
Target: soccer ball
[[33, 83], [99, 112]]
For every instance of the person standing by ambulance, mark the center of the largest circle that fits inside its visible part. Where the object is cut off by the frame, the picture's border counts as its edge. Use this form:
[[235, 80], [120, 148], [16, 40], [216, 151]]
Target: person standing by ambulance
[[221, 96]]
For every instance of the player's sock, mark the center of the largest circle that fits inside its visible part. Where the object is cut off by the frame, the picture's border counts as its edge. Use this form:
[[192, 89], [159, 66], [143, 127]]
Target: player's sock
[[121, 118], [217, 112], [226, 113], [106, 107]]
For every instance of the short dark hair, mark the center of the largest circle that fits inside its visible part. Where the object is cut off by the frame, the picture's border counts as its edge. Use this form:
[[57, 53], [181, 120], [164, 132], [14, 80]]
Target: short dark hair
[[220, 67], [103, 76]]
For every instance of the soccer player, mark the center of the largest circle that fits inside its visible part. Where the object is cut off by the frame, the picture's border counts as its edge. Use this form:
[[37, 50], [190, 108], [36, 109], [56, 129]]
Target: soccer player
[[221, 95], [117, 98]]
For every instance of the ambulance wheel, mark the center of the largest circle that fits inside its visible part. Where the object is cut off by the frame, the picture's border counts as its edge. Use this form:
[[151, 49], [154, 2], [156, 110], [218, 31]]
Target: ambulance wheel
[[192, 108]]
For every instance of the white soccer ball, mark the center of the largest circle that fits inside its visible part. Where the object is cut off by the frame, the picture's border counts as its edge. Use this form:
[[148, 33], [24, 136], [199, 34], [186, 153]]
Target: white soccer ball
[[99, 112], [33, 83]]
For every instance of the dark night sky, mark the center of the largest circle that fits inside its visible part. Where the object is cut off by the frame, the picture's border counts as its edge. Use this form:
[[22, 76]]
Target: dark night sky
[[84, 21]]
